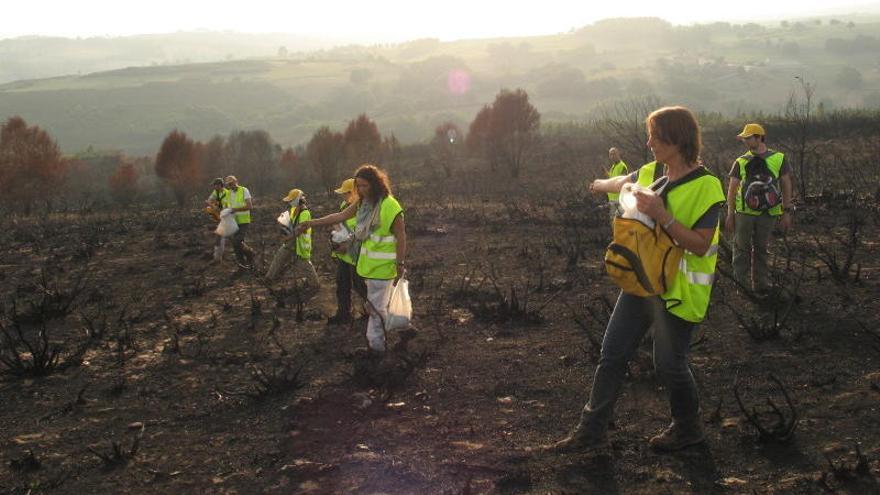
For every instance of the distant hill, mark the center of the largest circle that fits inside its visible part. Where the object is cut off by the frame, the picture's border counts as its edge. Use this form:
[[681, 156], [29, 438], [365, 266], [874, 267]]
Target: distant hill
[[34, 57], [410, 88]]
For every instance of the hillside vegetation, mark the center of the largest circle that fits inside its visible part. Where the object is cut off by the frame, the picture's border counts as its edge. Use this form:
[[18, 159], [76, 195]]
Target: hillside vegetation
[[410, 88]]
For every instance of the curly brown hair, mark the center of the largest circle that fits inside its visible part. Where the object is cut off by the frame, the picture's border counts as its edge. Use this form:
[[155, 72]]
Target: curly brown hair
[[380, 184]]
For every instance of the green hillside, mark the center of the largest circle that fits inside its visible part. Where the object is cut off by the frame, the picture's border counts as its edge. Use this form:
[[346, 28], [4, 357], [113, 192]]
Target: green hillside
[[405, 87]]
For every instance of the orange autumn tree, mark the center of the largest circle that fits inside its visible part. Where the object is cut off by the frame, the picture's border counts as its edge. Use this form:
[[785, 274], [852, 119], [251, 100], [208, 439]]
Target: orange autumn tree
[[177, 163], [363, 143], [507, 131], [31, 166], [326, 151], [477, 141], [289, 164], [124, 183]]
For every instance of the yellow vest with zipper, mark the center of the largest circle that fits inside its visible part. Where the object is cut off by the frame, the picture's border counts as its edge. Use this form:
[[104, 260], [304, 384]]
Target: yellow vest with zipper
[[378, 255]]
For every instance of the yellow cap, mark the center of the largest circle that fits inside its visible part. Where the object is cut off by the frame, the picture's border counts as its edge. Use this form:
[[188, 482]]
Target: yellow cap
[[293, 194], [752, 130], [346, 187]]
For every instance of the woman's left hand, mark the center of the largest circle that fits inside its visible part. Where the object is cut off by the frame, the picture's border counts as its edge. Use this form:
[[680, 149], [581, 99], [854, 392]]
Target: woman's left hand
[[650, 204]]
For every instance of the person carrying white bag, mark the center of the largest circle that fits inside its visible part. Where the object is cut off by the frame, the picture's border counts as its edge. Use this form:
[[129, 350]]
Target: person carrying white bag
[[380, 238]]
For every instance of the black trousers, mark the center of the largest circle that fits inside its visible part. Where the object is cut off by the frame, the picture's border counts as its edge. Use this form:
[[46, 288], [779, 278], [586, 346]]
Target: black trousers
[[346, 280]]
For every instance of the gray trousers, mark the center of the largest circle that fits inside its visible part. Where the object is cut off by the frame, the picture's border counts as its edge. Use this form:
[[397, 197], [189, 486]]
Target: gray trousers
[[751, 238], [285, 256], [629, 322]]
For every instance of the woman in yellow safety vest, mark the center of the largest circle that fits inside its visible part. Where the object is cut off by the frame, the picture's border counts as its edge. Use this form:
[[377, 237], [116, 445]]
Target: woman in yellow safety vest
[[689, 210], [380, 244]]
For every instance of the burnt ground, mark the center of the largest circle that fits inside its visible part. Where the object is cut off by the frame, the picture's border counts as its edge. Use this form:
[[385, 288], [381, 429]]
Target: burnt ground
[[176, 376]]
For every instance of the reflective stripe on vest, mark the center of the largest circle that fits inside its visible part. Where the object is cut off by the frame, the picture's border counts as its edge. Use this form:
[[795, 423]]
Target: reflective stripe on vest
[[377, 255], [695, 277], [378, 252], [774, 164], [689, 292], [616, 170], [236, 200]]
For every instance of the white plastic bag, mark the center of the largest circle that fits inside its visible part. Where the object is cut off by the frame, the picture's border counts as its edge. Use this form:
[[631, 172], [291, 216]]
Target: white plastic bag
[[227, 226], [341, 235], [399, 307], [628, 200], [284, 220]]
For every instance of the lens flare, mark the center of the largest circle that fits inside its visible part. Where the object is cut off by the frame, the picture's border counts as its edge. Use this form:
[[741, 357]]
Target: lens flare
[[458, 82]]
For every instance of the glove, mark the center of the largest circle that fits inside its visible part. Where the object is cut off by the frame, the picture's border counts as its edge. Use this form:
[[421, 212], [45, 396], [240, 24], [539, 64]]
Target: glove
[[226, 212]]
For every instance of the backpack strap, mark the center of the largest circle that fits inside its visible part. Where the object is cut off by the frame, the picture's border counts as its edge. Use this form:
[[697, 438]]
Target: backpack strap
[[659, 171]]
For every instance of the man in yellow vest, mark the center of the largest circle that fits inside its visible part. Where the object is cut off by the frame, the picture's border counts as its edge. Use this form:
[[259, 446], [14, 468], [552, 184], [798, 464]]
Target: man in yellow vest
[[617, 168], [759, 194], [240, 205]]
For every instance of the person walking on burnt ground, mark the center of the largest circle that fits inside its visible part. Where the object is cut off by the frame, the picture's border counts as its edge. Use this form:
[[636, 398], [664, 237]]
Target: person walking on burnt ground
[[296, 250], [688, 209], [380, 237], [240, 205], [759, 194], [342, 249], [216, 202]]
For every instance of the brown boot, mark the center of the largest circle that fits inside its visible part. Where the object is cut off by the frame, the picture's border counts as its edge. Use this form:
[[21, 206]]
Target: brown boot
[[676, 437], [579, 440]]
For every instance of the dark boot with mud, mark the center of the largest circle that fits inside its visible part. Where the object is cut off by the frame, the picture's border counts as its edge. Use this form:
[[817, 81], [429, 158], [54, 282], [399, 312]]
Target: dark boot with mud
[[678, 436], [579, 440]]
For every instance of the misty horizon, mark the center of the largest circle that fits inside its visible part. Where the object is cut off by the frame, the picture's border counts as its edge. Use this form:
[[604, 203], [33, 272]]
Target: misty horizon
[[455, 20]]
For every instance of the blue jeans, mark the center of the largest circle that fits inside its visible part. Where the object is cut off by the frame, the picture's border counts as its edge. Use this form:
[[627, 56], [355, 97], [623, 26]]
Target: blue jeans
[[632, 317]]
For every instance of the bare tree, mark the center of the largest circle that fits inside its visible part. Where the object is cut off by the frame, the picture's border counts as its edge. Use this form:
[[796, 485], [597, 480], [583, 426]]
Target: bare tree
[[622, 123], [799, 113], [446, 145]]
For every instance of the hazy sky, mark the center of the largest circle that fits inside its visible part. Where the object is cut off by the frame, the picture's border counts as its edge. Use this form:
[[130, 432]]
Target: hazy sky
[[382, 19]]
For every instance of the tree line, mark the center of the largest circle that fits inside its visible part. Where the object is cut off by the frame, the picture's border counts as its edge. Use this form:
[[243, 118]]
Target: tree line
[[505, 136]]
